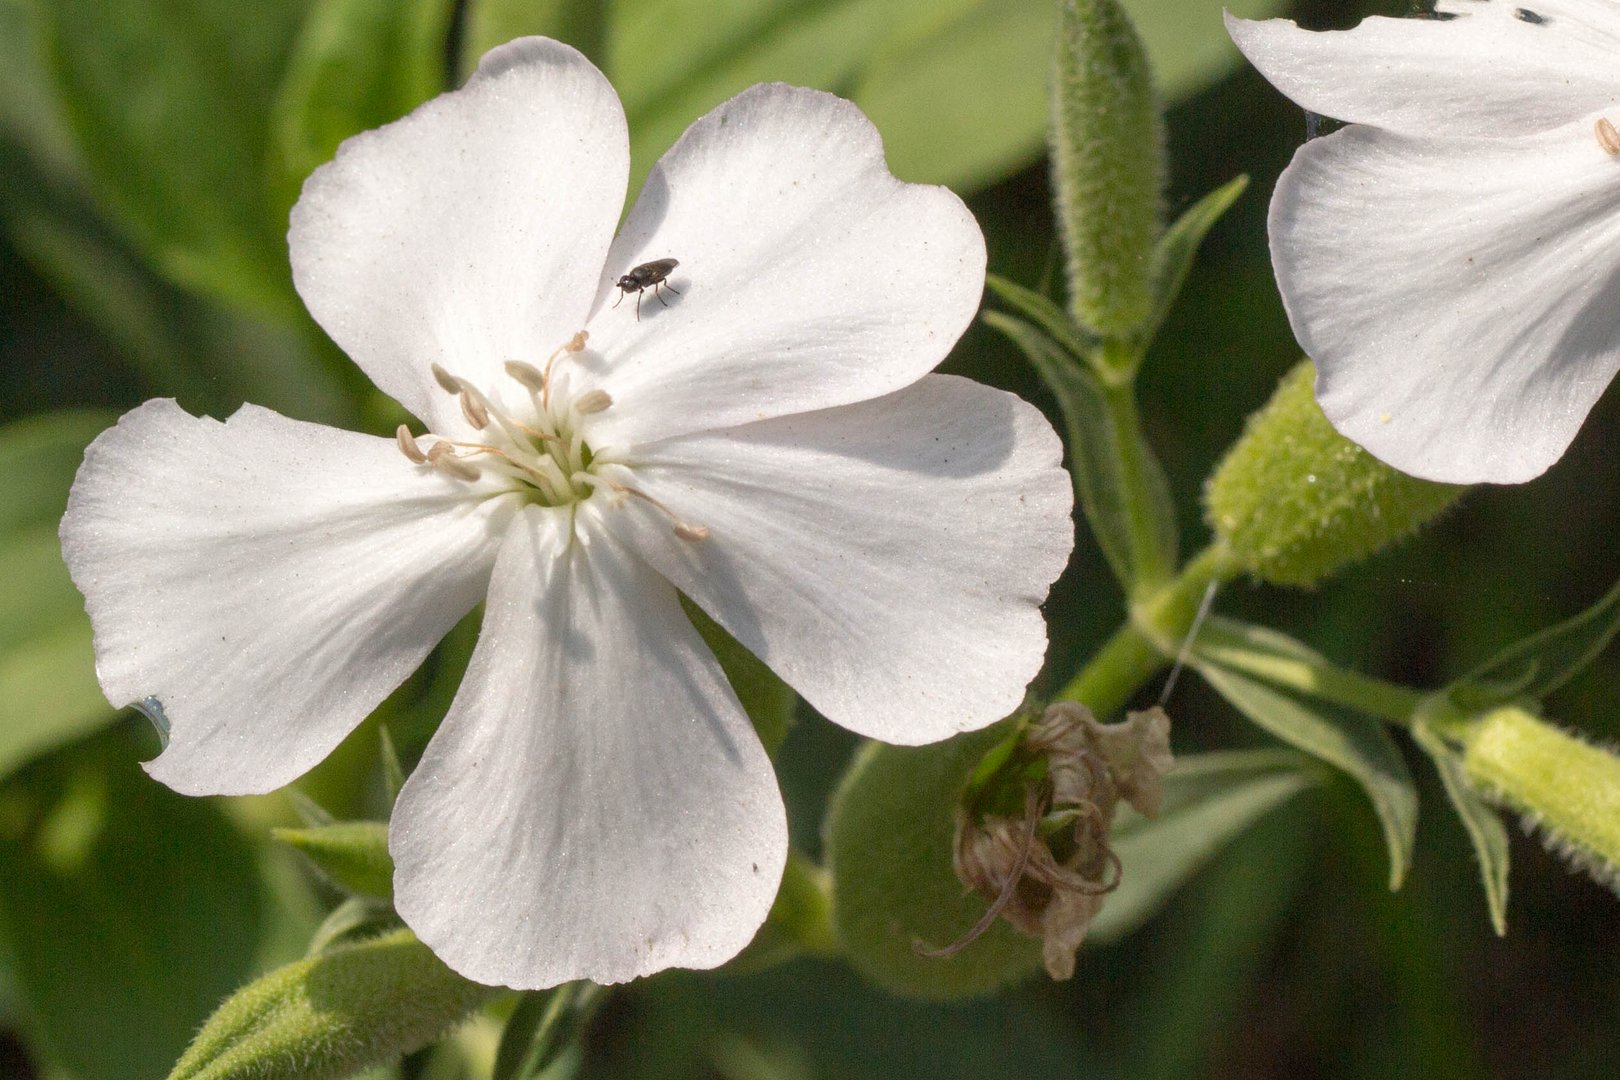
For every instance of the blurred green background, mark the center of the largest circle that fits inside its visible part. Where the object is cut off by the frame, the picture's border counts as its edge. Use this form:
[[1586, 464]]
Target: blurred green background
[[149, 150]]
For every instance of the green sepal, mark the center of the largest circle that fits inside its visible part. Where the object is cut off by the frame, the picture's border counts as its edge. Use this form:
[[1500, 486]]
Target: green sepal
[[1209, 800], [769, 702], [1228, 653], [353, 855], [1479, 820], [1294, 500], [355, 917], [1173, 257], [332, 1015], [1535, 666], [1107, 144], [1121, 486], [889, 831]]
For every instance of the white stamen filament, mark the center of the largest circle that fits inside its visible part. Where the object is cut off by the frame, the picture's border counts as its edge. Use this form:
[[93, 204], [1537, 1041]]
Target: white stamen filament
[[683, 529]]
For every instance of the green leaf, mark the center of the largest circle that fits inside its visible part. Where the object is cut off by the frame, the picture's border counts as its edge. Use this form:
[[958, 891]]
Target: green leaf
[[331, 1015], [355, 917], [889, 837], [1539, 664], [581, 23], [1480, 820], [770, 703], [1051, 319], [357, 64], [48, 691], [353, 855], [1109, 458], [1209, 800], [1350, 741], [169, 100], [129, 912], [1173, 257]]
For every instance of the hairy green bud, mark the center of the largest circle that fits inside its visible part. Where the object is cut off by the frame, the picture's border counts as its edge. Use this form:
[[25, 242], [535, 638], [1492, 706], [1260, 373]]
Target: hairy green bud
[[1107, 166], [1567, 788], [332, 1015], [1294, 500]]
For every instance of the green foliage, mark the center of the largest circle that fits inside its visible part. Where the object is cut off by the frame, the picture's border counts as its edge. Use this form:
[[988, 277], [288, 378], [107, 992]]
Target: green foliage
[[357, 64], [128, 911], [1107, 145], [1539, 664], [329, 1016], [1482, 823], [769, 702], [488, 23], [353, 855], [49, 696], [1295, 500], [1120, 485], [169, 104], [889, 833], [1209, 800], [1227, 655], [1174, 254]]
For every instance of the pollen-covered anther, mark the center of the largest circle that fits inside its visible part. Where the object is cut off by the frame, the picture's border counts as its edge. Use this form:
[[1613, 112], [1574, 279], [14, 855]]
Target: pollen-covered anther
[[442, 456], [473, 409], [409, 447], [1607, 136], [577, 342], [592, 401]]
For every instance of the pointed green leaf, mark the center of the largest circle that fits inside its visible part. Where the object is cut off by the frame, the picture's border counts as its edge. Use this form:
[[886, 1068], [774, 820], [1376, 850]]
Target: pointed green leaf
[[353, 855], [393, 772], [1209, 799], [1480, 820], [1111, 462], [1539, 664], [329, 1016], [1044, 313], [1350, 741], [1173, 257], [356, 65], [358, 916], [168, 101]]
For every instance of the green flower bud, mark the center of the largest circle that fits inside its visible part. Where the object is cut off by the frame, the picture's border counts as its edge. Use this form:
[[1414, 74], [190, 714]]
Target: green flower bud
[[1294, 500], [1107, 166], [1568, 788], [332, 1015], [353, 855]]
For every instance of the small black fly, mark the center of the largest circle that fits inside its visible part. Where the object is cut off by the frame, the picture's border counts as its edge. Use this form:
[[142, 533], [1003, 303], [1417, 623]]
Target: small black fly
[[649, 275]]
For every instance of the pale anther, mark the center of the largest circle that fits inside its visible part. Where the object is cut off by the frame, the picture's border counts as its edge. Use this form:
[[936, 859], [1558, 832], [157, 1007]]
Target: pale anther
[[1607, 136], [592, 401], [408, 447], [474, 411], [691, 532], [451, 384], [527, 374], [443, 457], [577, 342]]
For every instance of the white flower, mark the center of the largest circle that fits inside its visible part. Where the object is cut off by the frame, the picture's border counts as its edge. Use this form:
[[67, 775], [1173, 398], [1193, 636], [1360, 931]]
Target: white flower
[[1451, 260], [764, 438]]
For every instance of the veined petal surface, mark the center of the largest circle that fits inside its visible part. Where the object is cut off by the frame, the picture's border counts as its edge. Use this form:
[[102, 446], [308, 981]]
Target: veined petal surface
[[1461, 297], [472, 231], [269, 581], [887, 559], [809, 276], [596, 804], [1491, 68]]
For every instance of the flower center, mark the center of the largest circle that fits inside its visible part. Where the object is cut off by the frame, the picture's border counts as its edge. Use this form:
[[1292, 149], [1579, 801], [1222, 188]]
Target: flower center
[[540, 449]]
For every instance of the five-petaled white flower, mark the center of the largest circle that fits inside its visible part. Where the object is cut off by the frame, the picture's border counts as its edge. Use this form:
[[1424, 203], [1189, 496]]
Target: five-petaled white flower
[[1451, 260], [770, 443]]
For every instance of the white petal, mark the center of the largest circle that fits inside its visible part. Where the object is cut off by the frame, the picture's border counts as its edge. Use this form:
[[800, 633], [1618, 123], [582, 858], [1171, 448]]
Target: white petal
[[472, 231], [1487, 71], [809, 276], [1461, 297], [270, 581], [887, 559], [596, 804]]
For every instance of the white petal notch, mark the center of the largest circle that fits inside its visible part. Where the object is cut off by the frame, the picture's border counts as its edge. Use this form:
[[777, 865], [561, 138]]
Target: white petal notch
[[1449, 260], [763, 434]]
